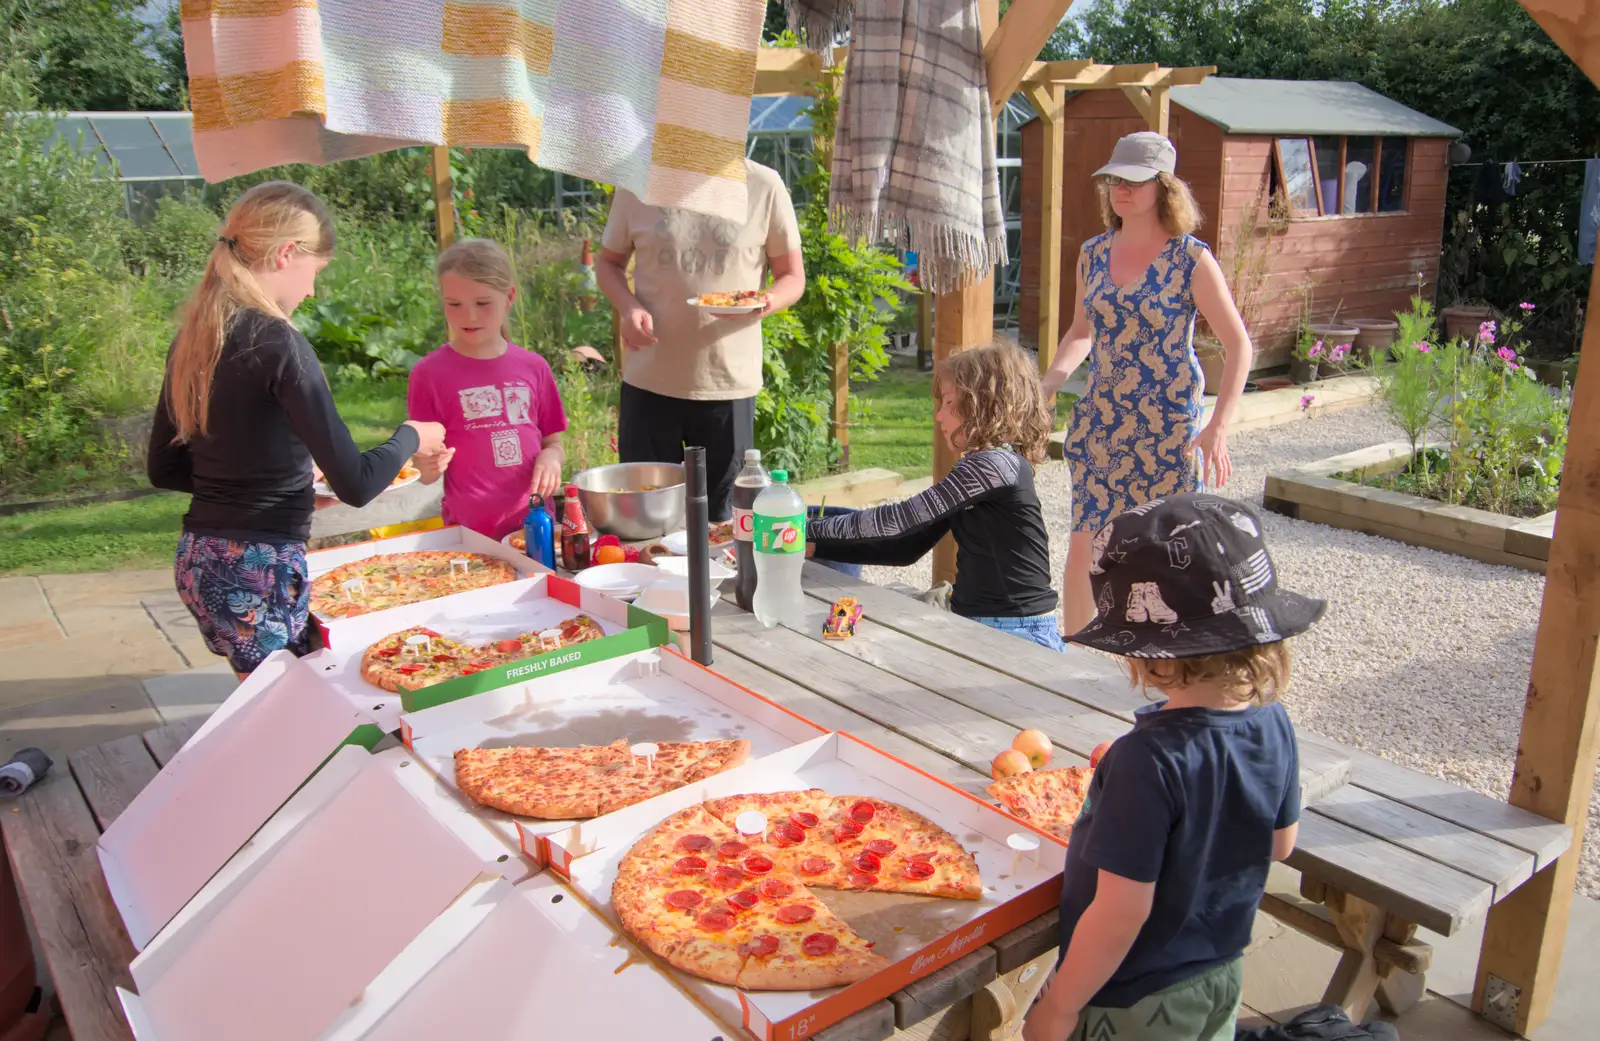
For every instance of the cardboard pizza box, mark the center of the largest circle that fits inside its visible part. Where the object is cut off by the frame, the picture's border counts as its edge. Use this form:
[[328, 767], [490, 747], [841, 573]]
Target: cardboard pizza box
[[654, 695], [274, 731], [919, 935], [480, 616], [454, 537], [507, 964], [292, 931]]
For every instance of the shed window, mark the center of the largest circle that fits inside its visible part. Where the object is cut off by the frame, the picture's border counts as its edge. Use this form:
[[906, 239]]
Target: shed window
[[1340, 176]]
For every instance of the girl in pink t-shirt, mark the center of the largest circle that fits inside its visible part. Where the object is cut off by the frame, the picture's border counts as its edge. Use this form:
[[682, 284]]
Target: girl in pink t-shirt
[[499, 405]]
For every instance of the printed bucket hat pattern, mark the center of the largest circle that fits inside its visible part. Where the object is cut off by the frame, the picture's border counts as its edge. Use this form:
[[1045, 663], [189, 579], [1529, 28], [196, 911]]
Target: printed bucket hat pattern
[[1189, 576]]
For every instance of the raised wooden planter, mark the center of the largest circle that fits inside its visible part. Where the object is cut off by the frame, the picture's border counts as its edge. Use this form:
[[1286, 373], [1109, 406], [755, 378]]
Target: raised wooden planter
[[1309, 493]]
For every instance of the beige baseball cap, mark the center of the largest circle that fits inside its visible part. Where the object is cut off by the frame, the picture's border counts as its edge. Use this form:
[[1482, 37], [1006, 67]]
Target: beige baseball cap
[[1139, 157]]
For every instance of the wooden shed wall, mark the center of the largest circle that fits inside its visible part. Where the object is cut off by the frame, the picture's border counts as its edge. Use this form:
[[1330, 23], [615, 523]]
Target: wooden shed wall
[[1369, 261]]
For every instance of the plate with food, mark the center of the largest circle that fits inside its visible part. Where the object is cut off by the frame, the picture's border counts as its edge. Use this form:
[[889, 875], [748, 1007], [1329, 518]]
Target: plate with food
[[718, 536], [740, 301], [408, 475]]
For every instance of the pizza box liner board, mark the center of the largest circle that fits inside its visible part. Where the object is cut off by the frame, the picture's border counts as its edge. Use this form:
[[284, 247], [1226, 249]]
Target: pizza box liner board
[[291, 932], [477, 616], [654, 695], [454, 537], [272, 734], [918, 934]]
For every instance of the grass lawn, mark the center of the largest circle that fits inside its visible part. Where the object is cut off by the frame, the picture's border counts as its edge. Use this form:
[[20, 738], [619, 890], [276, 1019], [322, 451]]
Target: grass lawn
[[895, 433]]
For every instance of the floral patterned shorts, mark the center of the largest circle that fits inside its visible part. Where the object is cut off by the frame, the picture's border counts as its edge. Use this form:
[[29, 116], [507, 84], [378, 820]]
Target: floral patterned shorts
[[250, 598]]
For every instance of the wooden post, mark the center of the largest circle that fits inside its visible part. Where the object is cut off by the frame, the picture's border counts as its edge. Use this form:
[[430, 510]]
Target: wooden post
[[1555, 767], [962, 320], [1048, 99], [924, 331], [839, 421], [444, 201]]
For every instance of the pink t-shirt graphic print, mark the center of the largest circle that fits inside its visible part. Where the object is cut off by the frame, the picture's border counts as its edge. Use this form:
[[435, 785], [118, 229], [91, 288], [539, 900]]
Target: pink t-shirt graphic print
[[496, 413]]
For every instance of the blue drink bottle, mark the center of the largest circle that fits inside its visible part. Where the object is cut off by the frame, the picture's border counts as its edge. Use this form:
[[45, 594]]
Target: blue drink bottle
[[539, 531]]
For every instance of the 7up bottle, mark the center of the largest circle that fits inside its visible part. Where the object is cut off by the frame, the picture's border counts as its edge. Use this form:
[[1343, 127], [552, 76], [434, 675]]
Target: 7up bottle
[[780, 552]]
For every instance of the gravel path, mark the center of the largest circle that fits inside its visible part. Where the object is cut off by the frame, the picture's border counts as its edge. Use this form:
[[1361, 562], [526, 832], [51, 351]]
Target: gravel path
[[1423, 656]]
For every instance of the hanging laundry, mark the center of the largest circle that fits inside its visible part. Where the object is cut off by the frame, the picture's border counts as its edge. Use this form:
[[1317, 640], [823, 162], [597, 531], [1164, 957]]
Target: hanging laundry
[[1589, 212], [1512, 177], [1490, 187], [915, 68], [651, 95]]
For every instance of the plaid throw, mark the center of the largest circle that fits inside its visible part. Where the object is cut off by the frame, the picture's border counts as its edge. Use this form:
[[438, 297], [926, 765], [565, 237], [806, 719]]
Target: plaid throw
[[914, 155], [649, 95]]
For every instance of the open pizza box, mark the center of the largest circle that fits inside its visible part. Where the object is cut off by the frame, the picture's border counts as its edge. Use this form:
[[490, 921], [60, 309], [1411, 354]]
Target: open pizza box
[[480, 616], [290, 933], [649, 696], [272, 734], [918, 934], [508, 963]]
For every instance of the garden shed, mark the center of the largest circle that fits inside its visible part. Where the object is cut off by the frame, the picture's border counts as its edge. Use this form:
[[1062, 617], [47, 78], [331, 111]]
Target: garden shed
[[1356, 183]]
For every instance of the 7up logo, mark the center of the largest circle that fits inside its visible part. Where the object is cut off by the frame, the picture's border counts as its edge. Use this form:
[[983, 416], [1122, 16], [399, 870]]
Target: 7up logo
[[780, 534]]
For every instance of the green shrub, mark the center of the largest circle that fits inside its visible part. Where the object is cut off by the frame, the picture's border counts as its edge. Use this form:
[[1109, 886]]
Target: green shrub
[[175, 243]]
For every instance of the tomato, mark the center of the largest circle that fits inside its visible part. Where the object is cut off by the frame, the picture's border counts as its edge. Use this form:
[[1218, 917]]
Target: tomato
[[507, 646], [411, 669]]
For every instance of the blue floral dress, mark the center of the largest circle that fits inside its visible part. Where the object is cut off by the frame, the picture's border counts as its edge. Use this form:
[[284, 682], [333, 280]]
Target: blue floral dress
[[1129, 435]]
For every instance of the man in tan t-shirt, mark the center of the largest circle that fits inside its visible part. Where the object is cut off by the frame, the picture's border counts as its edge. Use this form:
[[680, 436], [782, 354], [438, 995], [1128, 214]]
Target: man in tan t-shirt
[[689, 378]]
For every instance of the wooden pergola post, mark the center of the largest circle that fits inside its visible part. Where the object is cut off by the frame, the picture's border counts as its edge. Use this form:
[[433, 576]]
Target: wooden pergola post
[[444, 199], [1554, 775]]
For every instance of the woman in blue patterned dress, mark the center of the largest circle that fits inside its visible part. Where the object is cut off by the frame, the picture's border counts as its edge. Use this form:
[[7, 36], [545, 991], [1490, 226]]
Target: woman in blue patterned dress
[[1136, 435]]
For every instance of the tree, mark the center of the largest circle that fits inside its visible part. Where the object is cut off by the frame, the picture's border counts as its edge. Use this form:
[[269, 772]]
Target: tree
[[93, 55]]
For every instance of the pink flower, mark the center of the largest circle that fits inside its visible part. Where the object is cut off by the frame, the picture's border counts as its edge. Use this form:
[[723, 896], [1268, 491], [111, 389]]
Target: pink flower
[[1315, 351], [1340, 351], [1507, 354], [613, 442], [1525, 306], [1486, 333], [1423, 346], [1305, 401]]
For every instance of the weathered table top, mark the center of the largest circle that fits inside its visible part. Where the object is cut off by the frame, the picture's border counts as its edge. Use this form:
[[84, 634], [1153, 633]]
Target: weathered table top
[[942, 693]]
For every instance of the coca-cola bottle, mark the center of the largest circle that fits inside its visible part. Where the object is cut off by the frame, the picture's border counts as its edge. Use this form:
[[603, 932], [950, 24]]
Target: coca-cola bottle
[[749, 484]]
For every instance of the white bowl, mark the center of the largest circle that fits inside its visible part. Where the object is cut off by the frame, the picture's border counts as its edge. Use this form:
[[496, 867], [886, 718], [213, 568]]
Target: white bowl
[[669, 598], [678, 567], [617, 579]]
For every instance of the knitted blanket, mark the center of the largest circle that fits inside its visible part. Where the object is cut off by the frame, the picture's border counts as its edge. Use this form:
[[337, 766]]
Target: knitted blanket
[[914, 154], [649, 95]]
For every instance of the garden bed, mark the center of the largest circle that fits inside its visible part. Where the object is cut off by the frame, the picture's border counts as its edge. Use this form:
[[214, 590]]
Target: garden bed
[[1313, 493]]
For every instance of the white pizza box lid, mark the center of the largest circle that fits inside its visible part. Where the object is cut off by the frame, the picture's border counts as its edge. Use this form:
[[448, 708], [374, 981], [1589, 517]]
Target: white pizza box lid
[[453, 537], [648, 696], [507, 964], [475, 616], [917, 934], [273, 732], [296, 926]]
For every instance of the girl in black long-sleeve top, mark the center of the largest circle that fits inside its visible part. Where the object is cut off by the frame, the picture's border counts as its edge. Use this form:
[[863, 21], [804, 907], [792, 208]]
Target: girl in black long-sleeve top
[[244, 410], [992, 411]]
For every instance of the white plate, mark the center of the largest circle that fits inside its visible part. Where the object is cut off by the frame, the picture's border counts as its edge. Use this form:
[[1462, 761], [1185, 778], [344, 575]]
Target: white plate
[[617, 579], [678, 567], [694, 301], [678, 543], [324, 489]]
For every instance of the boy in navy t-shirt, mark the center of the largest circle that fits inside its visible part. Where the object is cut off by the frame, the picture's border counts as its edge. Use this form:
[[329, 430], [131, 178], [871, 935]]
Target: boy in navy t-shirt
[[1187, 810]]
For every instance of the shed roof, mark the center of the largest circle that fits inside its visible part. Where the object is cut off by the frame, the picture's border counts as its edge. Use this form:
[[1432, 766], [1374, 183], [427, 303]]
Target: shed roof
[[1249, 106]]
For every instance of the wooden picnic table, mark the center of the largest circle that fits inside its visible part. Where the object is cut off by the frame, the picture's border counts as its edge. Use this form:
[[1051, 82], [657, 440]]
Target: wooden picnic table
[[1382, 851]]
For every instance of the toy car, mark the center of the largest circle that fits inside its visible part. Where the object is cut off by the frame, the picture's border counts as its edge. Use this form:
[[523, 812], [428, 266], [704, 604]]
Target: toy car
[[841, 623]]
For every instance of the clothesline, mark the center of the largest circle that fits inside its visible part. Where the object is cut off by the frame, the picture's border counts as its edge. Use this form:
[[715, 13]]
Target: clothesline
[[1519, 162]]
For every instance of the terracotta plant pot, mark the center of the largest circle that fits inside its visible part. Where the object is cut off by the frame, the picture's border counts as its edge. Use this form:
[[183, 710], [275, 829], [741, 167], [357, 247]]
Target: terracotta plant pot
[[1303, 370], [1377, 334], [1462, 320]]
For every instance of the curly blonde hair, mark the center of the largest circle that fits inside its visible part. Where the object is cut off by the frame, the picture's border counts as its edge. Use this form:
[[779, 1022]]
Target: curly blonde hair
[[997, 394], [1175, 206], [1258, 674]]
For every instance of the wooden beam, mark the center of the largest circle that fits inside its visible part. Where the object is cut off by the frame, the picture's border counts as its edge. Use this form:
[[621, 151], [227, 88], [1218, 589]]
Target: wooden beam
[[1045, 71], [1555, 767], [1049, 100], [1111, 77], [786, 70], [1575, 27], [1140, 99], [1008, 54], [839, 418], [444, 201], [962, 320]]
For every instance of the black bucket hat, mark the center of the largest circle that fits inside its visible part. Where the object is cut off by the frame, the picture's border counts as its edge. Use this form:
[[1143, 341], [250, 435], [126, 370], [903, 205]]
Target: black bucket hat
[[1188, 576]]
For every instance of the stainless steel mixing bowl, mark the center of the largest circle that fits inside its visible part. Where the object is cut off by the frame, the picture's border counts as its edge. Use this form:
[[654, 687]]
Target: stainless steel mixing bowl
[[615, 505]]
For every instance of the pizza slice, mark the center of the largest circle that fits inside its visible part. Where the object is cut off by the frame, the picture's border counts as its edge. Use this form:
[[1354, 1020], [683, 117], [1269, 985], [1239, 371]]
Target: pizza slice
[[889, 848], [395, 662], [1047, 799], [531, 781], [796, 943]]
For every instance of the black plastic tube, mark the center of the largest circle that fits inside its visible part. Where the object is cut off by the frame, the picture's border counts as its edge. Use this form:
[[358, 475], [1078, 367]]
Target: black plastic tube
[[697, 525]]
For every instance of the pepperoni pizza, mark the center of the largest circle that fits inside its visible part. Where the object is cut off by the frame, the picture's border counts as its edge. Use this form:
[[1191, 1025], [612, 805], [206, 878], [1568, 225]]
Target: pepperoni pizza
[[738, 909]]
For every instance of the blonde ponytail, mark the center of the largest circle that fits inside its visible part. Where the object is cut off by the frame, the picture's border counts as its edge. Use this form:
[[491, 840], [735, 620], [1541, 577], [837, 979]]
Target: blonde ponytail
[[260, 223]]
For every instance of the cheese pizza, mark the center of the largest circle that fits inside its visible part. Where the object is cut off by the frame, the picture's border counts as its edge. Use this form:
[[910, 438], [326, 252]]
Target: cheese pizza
[[396, 579], [1050, 800]]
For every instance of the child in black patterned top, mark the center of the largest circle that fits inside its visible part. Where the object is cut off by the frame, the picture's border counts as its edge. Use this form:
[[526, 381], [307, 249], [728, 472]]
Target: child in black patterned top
[[992, 413]]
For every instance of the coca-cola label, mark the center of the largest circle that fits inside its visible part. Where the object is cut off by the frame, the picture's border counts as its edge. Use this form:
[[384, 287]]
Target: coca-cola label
[[744, 525]]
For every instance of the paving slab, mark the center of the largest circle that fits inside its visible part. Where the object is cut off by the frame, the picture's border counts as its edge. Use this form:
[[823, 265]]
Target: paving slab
[[22, 602], [194, 694], [39, 672], [108, 588], [66, 724], [29, 633], [174, 622]]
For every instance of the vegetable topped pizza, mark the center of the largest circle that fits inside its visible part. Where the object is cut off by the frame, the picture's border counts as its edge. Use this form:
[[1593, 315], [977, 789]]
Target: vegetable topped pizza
[[396, 579], [737, 298], [419, 657], [739, 909]]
